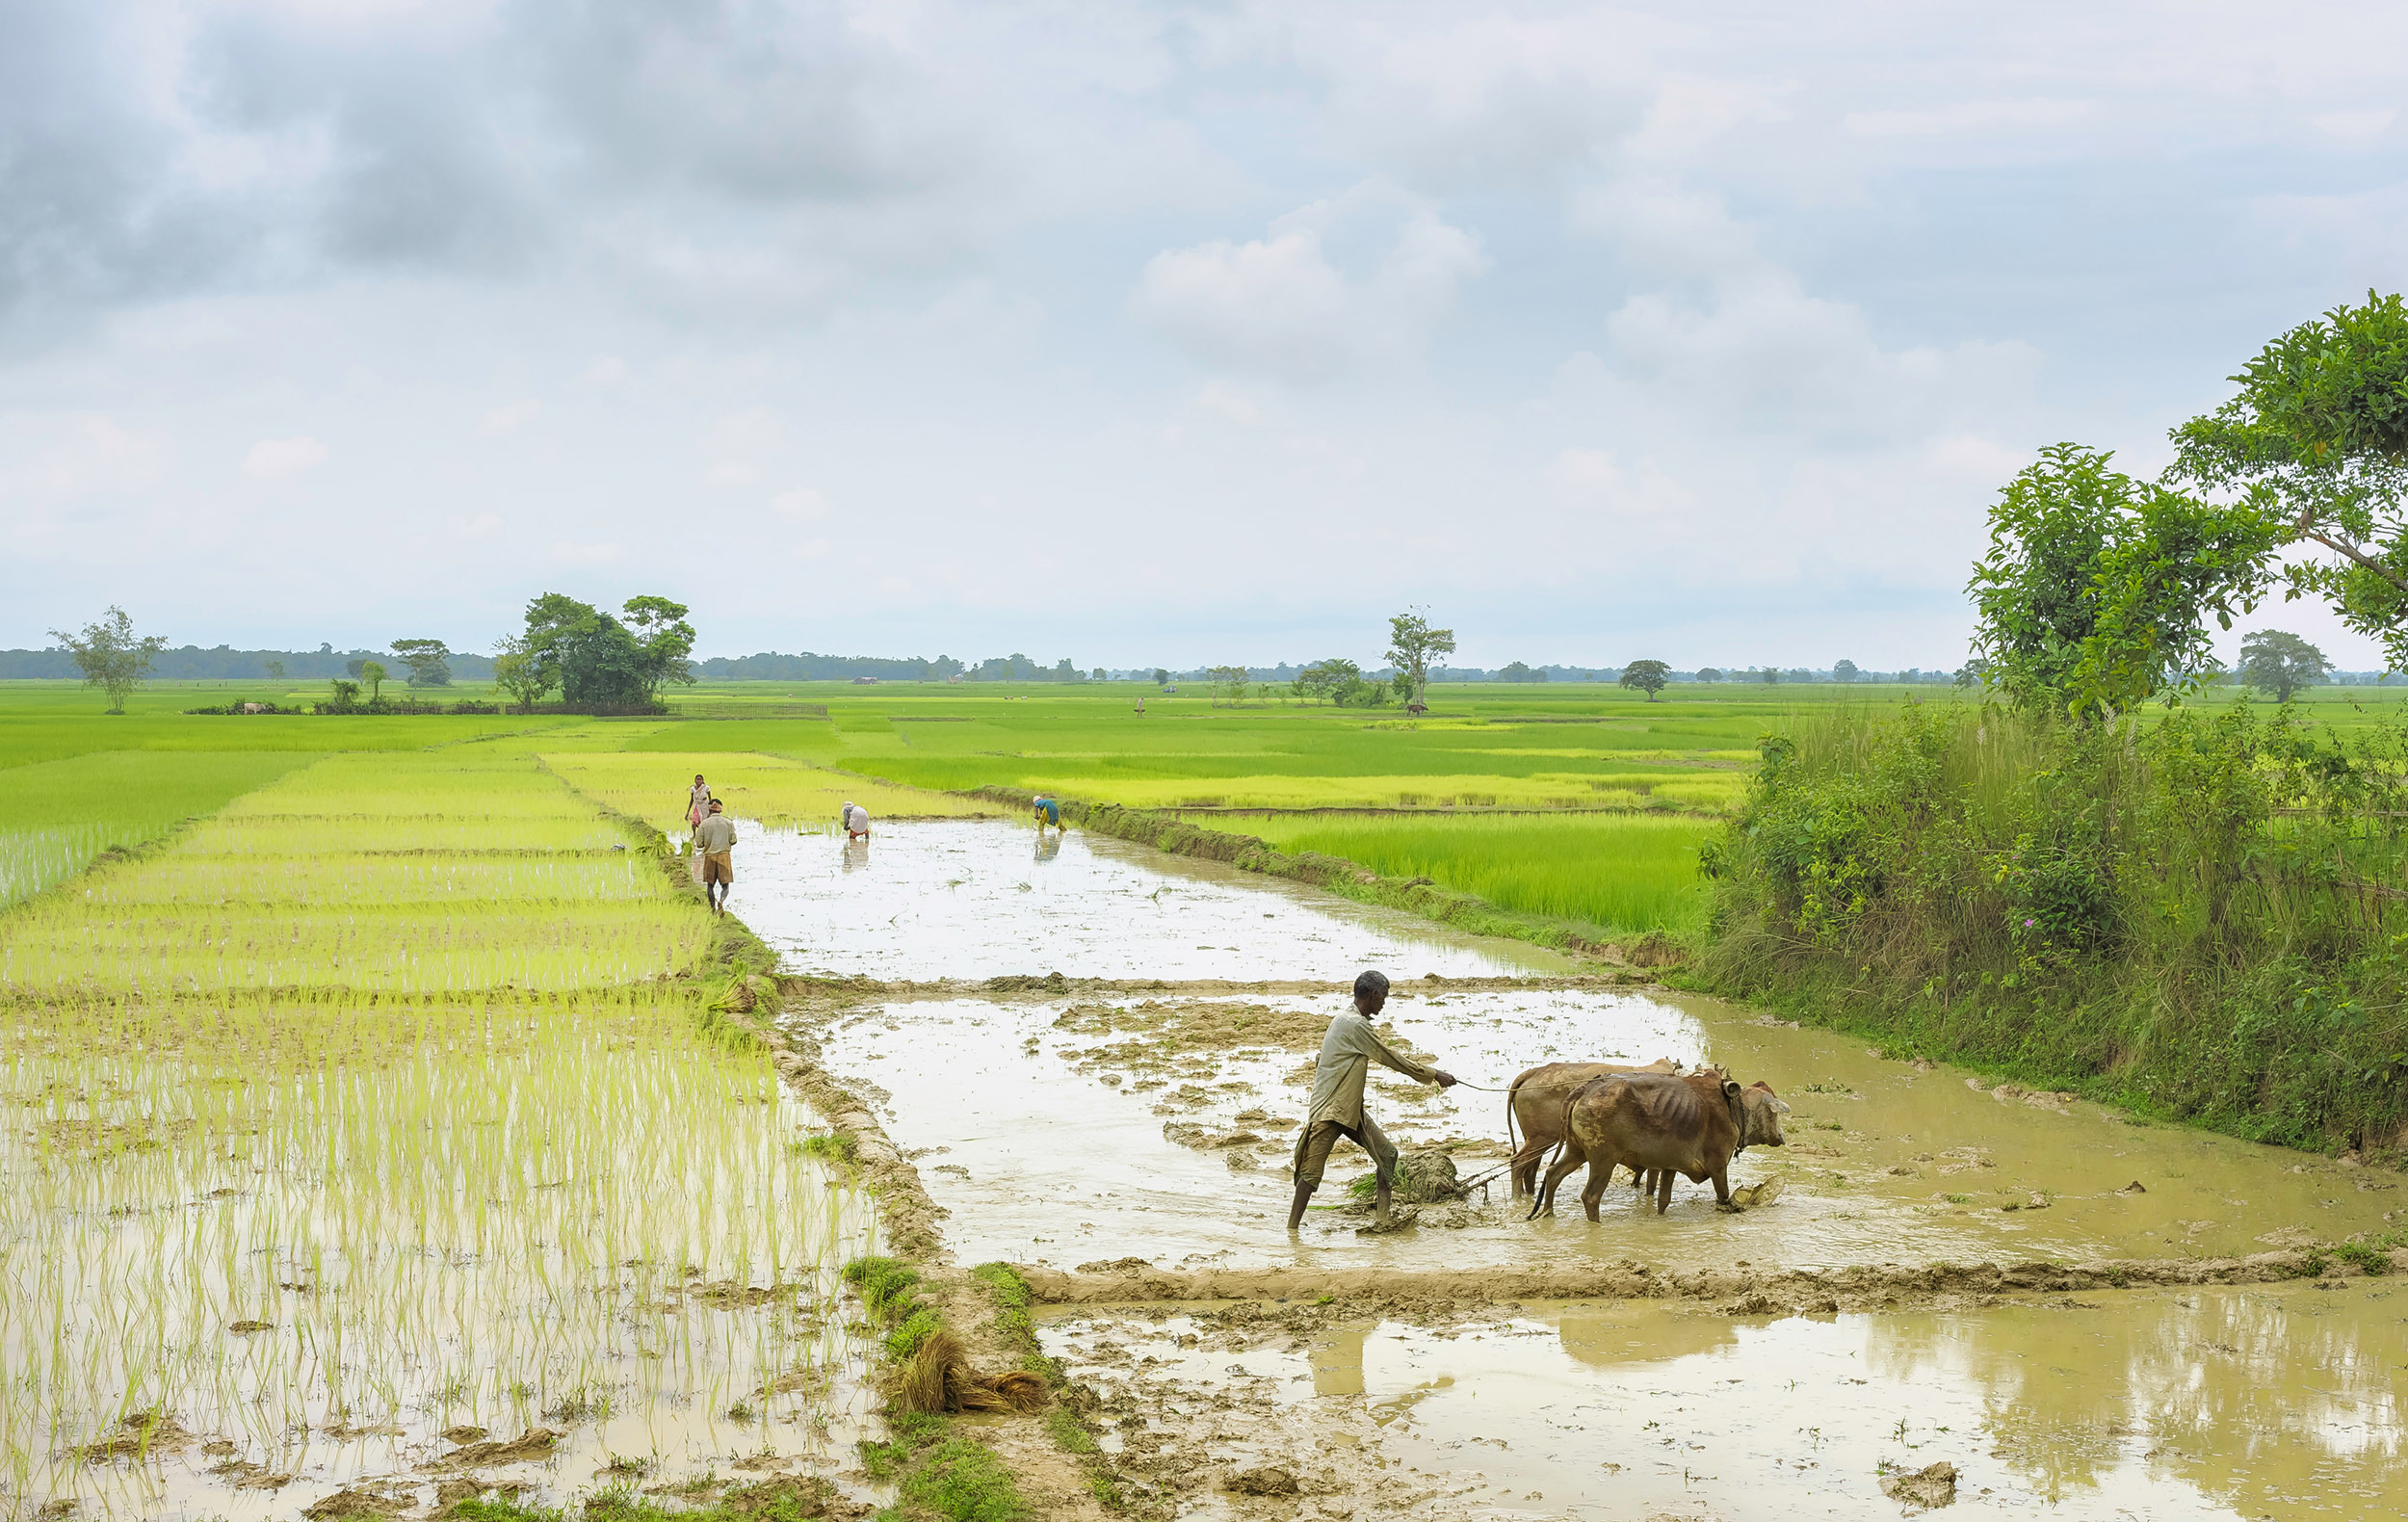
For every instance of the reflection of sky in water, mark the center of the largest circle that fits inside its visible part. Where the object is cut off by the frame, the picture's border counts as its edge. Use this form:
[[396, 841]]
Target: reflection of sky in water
[[981, 898], [2112, 1406]]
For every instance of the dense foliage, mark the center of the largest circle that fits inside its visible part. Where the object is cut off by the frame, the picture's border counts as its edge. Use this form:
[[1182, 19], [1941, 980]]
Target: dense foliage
[[2096, 589], [600, 663], [2316, 439], [2195, 914]]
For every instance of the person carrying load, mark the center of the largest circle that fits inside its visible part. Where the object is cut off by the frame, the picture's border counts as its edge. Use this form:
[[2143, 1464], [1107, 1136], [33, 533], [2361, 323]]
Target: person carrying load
[[1347, 1052], [1048, 812], [716, 838], [856, 821]]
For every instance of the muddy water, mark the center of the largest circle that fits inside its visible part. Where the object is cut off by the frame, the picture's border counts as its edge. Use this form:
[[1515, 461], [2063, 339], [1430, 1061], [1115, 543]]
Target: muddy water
[[1073, 1133], [1056, 1139], [2212, 1403], [925, 900]]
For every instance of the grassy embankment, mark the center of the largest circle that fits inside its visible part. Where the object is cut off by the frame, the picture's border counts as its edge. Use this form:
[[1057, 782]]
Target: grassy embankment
[[2201, 915]]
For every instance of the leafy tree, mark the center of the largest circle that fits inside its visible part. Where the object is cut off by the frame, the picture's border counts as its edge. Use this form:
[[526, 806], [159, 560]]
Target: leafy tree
[[1412, 644], [1514, 671], [1844, 672], [1646, 677], [598, 661], [520, 672], [111, 656], [2094, 592], [345, 695], [1331, 680], [1162, 677], [1707, 673], [1229, 681], [2282, 664], [1097, 675], [372, 674], [430, 661], [2316, 439], [664, 641], [1769, 675], [351, 666], [275, 670]]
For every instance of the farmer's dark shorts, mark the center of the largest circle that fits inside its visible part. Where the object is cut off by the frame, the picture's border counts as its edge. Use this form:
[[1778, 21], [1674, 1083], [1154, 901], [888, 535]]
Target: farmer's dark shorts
[[718, 866], [1312, 1153]]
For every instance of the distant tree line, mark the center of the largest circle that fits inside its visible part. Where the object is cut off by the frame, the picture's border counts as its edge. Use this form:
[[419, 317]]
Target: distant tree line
[[223, 662]]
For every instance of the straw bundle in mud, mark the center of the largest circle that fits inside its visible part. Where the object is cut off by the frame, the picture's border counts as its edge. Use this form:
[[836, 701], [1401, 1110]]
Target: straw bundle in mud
[[937, 1377]]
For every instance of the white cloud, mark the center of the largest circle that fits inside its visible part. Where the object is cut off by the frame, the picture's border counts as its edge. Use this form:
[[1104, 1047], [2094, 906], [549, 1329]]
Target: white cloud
[[800, 504], [55, 459], [2354, 123], [510, 418], [571, 552], [1281, 306], [483, 526], [283, 458], [1966, 116], [737, 448], [605, 370]]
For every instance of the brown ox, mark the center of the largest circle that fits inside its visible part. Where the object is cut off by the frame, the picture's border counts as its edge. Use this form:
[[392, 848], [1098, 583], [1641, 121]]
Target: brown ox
[[1692, 1125], [1535, 1103]]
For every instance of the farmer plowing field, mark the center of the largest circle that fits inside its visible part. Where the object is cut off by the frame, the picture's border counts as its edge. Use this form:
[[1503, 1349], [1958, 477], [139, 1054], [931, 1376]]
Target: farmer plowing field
[[1339, 1073]]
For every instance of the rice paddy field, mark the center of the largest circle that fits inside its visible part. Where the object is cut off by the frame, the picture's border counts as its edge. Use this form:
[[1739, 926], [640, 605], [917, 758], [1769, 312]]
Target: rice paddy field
[[362, 1116], [365, 1120]]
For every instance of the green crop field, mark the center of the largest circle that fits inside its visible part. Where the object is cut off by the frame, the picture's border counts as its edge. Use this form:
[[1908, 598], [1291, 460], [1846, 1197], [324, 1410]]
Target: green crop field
[[365, 1086], [1631, 872], [368, 1095]]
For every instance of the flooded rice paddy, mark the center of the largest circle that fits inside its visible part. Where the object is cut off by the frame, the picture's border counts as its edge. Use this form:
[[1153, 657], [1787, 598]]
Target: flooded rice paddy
[[1151, 1126], [977, 899], [2214, 1402], [255, 1254]]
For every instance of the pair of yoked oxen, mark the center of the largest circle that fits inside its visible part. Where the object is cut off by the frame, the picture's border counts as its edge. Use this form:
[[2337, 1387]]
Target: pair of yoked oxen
[[1656, 1120]]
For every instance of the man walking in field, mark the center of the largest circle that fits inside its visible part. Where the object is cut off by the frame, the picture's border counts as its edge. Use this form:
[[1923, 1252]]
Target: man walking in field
[[1347, 1052], [716, 838]]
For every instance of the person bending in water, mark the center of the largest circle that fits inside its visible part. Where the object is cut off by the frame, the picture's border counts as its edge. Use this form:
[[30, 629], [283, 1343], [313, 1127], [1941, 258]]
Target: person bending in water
[[1348, 1053], [1048, 812], [856, 821], [716, 838]]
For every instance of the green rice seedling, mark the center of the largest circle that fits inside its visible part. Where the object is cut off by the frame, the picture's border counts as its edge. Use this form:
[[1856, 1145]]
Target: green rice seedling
[[57, 816], [1623, 872], [321, 1229], [770, 789]]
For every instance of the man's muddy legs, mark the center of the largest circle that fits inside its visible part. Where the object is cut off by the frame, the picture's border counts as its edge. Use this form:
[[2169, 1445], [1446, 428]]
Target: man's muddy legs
[[1296, 1211], [1382, 1196]]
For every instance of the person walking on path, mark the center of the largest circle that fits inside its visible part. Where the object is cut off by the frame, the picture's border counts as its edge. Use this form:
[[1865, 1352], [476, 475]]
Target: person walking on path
[[856, 821], [716, 838], [697, 803], [1347, 1052]]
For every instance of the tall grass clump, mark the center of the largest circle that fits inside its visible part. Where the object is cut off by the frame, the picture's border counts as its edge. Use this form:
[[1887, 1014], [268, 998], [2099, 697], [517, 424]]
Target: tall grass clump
[[2201, 914]]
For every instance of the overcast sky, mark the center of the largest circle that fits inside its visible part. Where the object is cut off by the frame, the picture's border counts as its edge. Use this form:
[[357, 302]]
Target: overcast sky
[[1135, 334]]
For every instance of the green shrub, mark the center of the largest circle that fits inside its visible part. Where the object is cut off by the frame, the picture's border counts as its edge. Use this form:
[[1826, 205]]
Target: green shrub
[[2186, 913]]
